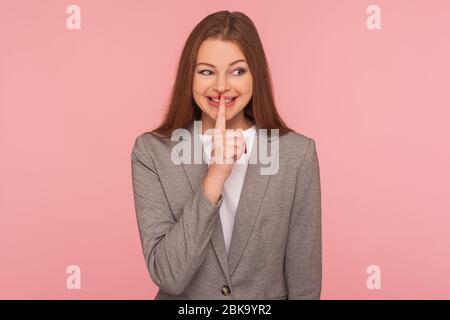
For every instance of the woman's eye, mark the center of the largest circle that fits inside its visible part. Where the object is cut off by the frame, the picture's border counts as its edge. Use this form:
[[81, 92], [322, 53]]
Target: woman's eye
[[241, 70], [209, 72], [202, 72]]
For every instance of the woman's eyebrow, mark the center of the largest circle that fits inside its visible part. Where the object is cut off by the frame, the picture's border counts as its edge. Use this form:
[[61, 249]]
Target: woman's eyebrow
[[213, 66]]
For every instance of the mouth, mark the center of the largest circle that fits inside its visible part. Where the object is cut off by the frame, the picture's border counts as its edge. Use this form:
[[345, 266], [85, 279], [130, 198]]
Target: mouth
[[229, 101]]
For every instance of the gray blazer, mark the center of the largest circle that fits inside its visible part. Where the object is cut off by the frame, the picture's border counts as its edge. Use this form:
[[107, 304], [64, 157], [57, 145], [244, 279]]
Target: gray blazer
[[275, 250]]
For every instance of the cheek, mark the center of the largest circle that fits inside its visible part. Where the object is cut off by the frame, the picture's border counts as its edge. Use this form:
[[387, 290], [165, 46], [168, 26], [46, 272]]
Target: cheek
[[247, 89], [246, 86], [200, 85]]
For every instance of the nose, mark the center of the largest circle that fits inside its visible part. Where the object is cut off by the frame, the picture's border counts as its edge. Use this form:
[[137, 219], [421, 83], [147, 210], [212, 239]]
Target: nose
[[221, 84]]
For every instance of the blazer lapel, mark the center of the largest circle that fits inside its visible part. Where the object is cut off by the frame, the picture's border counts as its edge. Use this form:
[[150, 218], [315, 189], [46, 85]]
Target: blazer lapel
[[249, 204], [195, 174]]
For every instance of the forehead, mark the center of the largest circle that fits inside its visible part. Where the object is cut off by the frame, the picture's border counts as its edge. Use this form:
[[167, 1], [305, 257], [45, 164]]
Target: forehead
[[219, 52]]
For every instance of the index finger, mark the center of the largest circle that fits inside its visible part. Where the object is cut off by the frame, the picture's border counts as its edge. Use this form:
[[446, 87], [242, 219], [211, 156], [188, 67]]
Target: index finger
[[220, 119]]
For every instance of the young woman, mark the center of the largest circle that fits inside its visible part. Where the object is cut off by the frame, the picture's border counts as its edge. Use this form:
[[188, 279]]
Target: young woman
[[221, 229]]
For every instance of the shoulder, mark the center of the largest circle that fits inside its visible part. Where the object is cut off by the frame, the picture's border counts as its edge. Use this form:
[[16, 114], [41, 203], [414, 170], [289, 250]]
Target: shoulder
[[295, 138], [147, 144], [296, 142], [297, 148]]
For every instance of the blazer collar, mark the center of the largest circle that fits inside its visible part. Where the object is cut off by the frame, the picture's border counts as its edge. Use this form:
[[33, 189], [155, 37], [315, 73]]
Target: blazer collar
[[249, 204]]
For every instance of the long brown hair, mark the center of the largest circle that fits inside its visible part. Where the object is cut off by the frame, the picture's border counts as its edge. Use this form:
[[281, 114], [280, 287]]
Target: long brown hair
[[228, 26]]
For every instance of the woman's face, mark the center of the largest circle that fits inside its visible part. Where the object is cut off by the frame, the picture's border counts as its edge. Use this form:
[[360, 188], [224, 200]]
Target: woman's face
[[221, 68]]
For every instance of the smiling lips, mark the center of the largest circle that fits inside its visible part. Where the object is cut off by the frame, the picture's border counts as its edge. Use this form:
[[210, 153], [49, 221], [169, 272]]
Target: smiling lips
[[214, 101]]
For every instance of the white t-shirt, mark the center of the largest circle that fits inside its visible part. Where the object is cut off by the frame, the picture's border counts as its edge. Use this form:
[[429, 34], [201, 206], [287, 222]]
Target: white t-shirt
[[233, 185]]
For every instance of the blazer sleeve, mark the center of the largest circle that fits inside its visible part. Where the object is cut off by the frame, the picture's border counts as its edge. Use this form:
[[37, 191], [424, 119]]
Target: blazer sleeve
[[303, 260], [173, 250]]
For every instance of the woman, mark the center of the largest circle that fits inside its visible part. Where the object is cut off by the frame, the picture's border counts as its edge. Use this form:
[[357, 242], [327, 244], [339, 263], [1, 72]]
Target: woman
[[224, 229]]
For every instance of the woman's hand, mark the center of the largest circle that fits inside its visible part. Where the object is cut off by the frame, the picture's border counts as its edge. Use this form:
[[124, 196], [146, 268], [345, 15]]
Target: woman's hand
[[226, 149], [227, 145]]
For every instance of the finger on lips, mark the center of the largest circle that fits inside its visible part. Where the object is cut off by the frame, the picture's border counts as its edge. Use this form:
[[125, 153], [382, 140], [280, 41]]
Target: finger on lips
[[221, 124]]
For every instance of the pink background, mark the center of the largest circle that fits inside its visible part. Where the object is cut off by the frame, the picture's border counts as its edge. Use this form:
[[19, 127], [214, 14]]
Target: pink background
[[72, 102]]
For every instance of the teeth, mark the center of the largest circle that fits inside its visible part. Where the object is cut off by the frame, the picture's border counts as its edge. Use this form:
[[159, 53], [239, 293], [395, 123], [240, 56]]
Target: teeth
[[226, 100]]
